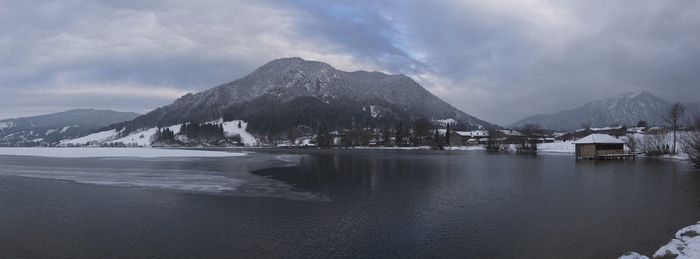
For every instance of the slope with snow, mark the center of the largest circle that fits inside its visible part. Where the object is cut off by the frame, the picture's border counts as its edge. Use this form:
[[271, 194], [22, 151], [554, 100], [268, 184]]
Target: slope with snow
[[625, 109], [231, 129], [143, 137], [98, 137]]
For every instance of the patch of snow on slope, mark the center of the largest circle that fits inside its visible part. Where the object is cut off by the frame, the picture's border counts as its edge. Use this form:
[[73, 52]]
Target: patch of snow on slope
[[143, 137], [50, 131], [112, 152], [231, 129], [68, 127], [6, 124], [94, 137], [373, 111]]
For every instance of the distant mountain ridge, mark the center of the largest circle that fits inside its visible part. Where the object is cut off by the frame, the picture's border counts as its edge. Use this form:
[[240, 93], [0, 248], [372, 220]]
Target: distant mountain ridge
[[49, 128], [290, 92], [624, 109]]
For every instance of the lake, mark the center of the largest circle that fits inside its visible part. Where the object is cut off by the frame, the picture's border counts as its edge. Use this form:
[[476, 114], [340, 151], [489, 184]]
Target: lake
[[342, 203]]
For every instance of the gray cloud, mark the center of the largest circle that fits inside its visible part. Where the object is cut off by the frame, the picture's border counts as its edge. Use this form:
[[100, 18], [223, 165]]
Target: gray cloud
[[499, 60]]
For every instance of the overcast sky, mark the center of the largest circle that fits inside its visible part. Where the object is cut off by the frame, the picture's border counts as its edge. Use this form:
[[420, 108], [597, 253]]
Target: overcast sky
[[497, 60]]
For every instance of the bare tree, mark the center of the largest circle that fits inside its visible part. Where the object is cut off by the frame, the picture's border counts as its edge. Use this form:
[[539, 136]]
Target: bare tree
[[654, 144], [691, 143], [673, 118], [632, 142]]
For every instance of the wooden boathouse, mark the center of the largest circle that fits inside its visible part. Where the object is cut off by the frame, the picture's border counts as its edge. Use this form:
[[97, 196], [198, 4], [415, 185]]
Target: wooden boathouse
[[601, 147]]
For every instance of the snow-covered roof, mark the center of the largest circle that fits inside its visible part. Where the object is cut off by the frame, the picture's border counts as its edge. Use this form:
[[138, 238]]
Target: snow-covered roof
[[607, 128], [512, 133], [474, 133], [599, 139]]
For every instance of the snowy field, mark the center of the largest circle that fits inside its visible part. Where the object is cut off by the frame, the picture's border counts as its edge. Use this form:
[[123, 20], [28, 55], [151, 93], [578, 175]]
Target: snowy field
[[143, 137], [112, 152]]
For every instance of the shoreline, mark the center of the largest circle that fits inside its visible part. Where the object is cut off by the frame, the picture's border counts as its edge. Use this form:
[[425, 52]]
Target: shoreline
[[684, 245]]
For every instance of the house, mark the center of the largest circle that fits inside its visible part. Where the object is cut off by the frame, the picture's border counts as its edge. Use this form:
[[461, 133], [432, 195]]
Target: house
[[656, 130], [508, 137], [600, 146], [461, 138], [612, 130]]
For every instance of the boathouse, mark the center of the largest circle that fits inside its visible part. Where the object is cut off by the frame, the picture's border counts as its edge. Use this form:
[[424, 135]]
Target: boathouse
[[600, 146]]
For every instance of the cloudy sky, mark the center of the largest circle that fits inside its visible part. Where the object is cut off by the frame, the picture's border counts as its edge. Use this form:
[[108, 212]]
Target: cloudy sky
[[498, 60]]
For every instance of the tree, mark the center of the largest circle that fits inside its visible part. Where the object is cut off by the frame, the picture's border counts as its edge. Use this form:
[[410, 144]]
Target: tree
[[632, 142], [642, 123], [438, 140], [447, 135], [492, 144], [532, 133], [673, 118], [239, 124], [399, 134], [691, 143]]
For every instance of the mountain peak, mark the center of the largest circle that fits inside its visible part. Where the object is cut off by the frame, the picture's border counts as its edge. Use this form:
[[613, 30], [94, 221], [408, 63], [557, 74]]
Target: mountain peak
[[636, 94], [289, 92], [623, 109], [294, 62]]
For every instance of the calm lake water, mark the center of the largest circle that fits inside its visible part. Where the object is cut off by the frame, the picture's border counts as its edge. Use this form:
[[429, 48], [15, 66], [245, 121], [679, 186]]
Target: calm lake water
[[343, 203]]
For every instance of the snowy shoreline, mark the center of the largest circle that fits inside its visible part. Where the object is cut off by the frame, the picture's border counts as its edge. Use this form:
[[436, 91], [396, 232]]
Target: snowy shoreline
[[685, 244], [93, 152]]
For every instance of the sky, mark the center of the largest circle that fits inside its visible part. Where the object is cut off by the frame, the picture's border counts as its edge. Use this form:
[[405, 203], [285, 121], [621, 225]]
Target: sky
[[497, 60]]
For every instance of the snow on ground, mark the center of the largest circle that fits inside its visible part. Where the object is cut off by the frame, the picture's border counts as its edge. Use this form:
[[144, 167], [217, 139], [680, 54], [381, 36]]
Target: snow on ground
[[557, 147], [68, 127], [231, 129], [633, 255], [6, 124], [112, 152], [466, 148], [94, 137], [685, 245], [143, 137], [50, 131], [396, 148]]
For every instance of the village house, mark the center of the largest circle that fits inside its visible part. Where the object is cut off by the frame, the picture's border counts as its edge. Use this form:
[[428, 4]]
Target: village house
[[508, 137], [612, 130], [463, 138], [600, 146]]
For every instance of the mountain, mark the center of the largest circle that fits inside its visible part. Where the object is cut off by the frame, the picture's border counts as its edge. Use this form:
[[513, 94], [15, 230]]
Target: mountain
[[50, 128], [625, 109], [291, 92]]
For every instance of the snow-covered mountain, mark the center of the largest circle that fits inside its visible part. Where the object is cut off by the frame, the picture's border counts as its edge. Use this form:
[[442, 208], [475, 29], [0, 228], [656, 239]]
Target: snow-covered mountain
[[625, 109], [291, 92], [50, 128]]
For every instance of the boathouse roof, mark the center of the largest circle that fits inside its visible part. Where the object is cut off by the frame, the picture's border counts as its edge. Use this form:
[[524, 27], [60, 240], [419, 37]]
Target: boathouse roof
[[599, 139]]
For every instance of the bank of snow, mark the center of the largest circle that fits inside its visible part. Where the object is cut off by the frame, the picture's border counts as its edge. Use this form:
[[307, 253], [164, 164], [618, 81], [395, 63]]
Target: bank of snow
[[557, 147], [112, 152], [685, 245]]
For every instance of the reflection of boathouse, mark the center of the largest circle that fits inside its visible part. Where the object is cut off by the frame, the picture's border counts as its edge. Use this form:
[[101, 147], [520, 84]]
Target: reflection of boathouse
[[601, 146]]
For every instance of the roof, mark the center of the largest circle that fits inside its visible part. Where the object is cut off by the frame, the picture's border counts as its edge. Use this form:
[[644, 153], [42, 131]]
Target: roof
[[599, 139], [474, 133], [511, 133]]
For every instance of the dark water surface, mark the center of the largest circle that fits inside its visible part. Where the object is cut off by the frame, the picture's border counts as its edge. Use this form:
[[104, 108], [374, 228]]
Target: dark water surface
[[358, 204]]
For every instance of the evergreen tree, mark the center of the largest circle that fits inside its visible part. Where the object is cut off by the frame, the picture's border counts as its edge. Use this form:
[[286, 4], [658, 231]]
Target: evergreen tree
[[447, 135]]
